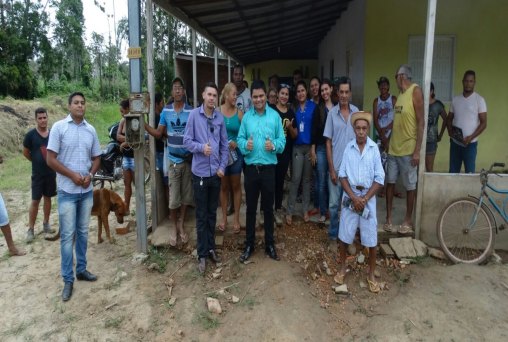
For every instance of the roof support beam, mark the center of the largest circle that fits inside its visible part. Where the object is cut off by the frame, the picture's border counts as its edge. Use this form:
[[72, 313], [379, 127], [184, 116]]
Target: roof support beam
[[427, 74]]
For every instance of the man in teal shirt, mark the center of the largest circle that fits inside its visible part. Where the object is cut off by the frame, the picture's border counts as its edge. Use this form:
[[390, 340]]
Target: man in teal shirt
[[260, 138]]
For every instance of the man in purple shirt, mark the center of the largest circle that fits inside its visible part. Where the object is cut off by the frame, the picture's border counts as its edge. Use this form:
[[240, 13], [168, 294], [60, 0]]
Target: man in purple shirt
[[206, 138]]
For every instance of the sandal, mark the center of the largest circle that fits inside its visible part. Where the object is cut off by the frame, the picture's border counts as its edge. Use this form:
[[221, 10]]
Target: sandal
[[236, 229], [405, 229], [306, 218], [388, 227], [221, 227], [289, 220], [184, 237], [373, 286], [322, 219], [173, 236]]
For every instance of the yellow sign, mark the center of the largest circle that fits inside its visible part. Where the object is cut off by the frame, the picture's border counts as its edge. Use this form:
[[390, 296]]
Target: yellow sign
[[134, 52]]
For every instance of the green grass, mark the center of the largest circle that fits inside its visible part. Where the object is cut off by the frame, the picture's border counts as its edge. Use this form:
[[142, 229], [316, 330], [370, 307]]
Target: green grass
[[113, 322], [15, 173], [101, 116], [158, 256], [206, 321]]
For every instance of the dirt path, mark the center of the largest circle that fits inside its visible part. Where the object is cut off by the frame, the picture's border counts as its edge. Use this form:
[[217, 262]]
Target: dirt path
[[289, 300]]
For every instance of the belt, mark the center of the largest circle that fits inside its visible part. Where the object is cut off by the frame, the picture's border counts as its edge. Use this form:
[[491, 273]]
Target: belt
[[260, 167], [359, 187]]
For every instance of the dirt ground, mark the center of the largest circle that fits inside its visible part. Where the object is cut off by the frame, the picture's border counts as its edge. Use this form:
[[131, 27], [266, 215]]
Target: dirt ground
[[164, 298]]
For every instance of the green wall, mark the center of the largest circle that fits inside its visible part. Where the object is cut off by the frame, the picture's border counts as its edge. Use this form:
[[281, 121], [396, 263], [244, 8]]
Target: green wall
[[480, 29]]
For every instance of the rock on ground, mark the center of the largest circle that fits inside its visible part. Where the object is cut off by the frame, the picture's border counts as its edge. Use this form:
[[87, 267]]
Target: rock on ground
[[403, 247], [213, 305]]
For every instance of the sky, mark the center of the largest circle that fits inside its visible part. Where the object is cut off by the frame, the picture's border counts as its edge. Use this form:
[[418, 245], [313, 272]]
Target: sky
[[100, 22]]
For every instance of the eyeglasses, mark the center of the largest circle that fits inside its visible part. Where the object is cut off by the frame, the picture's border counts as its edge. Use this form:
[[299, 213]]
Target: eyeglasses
[[397, 75], [177, 88]]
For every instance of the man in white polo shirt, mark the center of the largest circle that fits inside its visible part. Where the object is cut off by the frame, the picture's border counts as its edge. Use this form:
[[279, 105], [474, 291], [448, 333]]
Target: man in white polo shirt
[[466, 121]]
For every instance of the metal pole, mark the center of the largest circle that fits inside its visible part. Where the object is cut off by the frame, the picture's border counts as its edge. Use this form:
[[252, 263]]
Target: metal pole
[[194, 70], [135, 87], [427, 75], [229, 68], [151, 117], [216, 67]]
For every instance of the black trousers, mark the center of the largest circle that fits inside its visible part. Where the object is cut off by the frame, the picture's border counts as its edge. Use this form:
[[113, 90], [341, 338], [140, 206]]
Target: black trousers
[[259, 180], [281, 169], [206, 198]]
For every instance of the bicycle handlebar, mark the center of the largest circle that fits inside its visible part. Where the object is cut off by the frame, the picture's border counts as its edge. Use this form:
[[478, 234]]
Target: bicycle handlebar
[[484, 173]]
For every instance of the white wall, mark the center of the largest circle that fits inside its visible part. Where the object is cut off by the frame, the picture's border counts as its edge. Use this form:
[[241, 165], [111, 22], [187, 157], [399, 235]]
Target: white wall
[[347, 35]]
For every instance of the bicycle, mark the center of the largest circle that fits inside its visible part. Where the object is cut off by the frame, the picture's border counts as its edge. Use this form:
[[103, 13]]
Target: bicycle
[[466, 226], [111, 165]]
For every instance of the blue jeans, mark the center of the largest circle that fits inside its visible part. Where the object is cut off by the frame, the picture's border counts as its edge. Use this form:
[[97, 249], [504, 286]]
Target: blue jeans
[[459, 154], [335, 199], [321, 180], [74, 215]]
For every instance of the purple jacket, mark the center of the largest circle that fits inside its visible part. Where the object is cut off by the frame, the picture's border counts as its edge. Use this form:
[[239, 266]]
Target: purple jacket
[[199, 130]]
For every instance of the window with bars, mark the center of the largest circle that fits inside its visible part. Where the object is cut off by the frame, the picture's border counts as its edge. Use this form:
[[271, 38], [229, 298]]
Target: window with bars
[[442, 63]]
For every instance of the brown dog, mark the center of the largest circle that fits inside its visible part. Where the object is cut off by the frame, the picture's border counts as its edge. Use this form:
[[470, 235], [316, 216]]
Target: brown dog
[[104, 201]]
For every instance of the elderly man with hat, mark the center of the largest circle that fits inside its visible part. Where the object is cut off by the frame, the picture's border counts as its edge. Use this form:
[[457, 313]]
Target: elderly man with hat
[[361, 176]]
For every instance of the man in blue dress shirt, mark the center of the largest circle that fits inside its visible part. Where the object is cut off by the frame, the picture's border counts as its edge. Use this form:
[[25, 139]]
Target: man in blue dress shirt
[[260, 138], [206, 138]]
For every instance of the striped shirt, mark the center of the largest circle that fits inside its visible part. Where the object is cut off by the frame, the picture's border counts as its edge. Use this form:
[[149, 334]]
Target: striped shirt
[[75, 146]]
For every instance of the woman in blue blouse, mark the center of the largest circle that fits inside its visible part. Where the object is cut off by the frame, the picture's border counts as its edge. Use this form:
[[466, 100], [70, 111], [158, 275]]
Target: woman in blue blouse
[[301, 158]]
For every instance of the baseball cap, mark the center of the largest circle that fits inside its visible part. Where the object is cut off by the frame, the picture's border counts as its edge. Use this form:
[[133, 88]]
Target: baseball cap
[[178, 79]]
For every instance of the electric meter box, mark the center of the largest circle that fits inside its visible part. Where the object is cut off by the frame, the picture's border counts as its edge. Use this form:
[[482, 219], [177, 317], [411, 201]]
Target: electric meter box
[[134, 129], [139, 103]]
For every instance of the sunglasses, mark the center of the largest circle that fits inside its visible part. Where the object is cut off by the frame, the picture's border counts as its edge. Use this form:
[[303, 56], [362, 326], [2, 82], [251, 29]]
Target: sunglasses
[[285, 85]]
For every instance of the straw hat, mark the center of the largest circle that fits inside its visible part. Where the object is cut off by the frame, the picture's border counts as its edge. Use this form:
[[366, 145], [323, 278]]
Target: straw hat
[[361, 116]]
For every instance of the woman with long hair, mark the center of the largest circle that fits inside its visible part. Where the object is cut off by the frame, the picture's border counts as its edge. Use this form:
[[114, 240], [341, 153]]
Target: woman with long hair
[[318, 152], [301, 159], [289, 125], [231, 180]]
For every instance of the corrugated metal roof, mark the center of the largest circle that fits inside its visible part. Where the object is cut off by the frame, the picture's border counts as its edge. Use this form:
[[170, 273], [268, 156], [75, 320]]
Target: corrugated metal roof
[[254, 31]]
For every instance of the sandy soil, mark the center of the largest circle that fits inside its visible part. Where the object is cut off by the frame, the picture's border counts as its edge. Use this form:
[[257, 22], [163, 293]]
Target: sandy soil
[[290, 300]]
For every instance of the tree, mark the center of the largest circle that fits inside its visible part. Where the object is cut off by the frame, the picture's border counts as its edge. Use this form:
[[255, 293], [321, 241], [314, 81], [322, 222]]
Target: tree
[[69, 44], [23, 32]]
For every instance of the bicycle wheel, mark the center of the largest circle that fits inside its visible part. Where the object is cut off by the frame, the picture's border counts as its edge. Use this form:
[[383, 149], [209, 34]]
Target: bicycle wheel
[[463, 238]]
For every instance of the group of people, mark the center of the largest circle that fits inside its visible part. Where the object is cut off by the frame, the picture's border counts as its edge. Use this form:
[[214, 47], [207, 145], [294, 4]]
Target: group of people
[[208, 147], [399, 123]]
